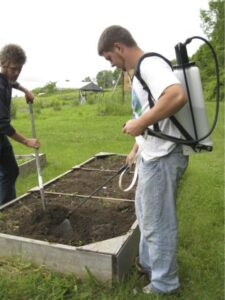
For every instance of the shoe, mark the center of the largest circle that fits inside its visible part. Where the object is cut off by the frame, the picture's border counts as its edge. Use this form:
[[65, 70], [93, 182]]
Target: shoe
[[150, 290], [139, 267], [144, 290]]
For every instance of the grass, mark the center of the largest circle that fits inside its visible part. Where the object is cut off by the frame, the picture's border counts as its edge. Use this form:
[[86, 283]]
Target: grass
[[74, 134], [70, 136]]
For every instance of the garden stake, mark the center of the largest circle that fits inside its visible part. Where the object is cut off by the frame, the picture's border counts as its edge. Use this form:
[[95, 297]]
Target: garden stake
[[40, 181], [65, 228]]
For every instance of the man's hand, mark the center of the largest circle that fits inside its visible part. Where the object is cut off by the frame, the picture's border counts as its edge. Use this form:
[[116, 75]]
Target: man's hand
[[33, 143], [132, 155], [29, 96], [133, 127]]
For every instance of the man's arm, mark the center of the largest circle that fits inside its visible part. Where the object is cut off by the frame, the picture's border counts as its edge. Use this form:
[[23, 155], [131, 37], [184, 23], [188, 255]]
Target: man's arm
[[33, 143], [132, 154], [28, 95], [171, 101], [29, 142]]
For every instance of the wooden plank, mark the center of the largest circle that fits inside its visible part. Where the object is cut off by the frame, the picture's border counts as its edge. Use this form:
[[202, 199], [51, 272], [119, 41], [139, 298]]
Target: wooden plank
[[83, 163], [36, 188], [110, 246], [60, 258], [2, 207], [126, 256], [87, 196], [30, 165]]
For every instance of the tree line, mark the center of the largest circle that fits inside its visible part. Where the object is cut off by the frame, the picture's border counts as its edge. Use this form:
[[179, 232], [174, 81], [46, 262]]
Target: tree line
[[213, 27]]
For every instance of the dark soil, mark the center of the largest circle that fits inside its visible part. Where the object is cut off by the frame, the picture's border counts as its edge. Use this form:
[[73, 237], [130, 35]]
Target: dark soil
[[108, 215]]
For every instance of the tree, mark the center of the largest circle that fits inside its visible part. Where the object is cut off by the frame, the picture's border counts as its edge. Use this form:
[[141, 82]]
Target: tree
[[86, 79], [213, 19], [105, 79], [116, 75], [49, 88], [213, 27]]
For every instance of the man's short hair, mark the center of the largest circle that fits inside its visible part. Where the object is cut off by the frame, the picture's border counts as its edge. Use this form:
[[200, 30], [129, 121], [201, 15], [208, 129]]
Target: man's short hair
[[114, 34], [12, 53]]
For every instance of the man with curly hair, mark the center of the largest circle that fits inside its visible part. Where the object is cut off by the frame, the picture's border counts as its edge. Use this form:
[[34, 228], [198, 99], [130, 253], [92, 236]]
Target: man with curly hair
[[12, 59]]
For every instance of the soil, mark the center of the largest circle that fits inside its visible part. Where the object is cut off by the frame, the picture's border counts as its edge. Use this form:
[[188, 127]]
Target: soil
[[109, 214]]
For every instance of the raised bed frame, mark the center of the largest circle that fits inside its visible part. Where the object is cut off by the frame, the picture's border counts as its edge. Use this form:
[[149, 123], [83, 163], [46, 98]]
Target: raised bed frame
[[30, 165], [108, 260]]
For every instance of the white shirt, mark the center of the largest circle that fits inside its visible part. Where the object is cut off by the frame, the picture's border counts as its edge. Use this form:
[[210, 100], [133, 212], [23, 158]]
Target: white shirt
[[158, 75]]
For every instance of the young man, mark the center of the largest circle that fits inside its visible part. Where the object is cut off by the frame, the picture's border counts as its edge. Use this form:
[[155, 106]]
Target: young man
[[162, 162], [12, 59]]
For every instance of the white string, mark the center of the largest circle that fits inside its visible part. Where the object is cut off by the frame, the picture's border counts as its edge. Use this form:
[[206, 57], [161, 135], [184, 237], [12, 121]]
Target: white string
[[136, 162]]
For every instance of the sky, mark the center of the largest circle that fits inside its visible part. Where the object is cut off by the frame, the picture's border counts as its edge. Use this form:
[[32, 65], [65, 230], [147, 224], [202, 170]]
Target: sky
[[60, 36]]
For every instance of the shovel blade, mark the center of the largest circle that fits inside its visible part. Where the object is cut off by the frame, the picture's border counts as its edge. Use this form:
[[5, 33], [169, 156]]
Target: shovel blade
[[64, 230]]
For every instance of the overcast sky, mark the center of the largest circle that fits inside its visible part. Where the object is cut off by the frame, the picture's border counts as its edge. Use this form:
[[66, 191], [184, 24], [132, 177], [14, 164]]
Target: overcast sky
[[60, 36]]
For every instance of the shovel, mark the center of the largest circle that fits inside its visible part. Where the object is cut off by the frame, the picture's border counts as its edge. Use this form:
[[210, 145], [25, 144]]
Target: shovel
[[40, 181], [64, 229]]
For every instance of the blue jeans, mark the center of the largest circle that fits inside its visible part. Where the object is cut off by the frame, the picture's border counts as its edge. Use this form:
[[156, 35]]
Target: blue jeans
[[8, 171], [155, 204]]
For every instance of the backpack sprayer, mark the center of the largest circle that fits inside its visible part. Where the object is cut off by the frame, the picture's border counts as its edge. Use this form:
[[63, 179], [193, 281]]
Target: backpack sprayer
[[196, 121], [191, 120]]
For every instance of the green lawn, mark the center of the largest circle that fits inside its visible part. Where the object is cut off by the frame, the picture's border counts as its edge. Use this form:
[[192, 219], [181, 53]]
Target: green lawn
[[70, 136], [75, 133]]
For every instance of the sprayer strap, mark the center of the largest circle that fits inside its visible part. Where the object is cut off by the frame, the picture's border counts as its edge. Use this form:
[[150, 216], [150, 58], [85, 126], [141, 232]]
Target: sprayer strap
[[181, 128], [137, 74]]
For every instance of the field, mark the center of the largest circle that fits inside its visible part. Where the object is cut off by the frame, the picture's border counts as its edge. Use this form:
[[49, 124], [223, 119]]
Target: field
[[69, 135]]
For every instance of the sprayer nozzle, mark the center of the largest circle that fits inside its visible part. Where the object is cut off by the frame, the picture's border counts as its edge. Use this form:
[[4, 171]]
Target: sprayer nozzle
[[181, 54], [188, 41]]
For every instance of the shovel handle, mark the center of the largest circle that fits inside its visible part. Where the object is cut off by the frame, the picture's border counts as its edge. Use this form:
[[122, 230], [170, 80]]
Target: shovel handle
[[40, 181], [32, 120]]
